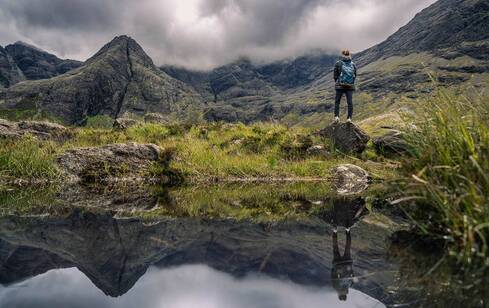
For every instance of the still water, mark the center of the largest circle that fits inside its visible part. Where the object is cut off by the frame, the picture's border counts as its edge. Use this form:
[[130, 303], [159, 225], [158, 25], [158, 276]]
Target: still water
[[179, 287], [245, 246]]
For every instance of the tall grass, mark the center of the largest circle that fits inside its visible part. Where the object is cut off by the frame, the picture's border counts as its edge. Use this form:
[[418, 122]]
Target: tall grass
[[448, 174], [202, 153], [28, 158]]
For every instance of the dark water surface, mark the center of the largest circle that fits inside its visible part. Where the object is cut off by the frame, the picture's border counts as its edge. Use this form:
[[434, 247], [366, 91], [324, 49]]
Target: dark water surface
[[244, 247]]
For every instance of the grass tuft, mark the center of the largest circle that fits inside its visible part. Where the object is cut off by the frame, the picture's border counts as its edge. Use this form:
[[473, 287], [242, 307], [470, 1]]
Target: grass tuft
[[447, 174]]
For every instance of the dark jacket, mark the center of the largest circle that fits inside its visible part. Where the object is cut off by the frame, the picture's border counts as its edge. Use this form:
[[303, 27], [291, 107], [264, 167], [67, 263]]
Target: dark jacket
[[337, 73]]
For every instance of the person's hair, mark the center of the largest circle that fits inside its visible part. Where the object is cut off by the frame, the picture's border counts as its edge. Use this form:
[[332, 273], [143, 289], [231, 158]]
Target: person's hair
[[345, 52]]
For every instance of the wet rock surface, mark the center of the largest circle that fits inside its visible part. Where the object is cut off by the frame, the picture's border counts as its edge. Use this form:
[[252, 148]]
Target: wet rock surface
[[347, 137], [350, 179], [108, 162], [42, 130]]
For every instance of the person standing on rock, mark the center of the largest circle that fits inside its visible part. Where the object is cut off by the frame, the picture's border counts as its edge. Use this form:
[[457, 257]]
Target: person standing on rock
[[345, 73]]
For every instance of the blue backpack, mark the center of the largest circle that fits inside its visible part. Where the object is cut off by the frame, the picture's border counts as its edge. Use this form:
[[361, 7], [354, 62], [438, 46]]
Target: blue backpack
[[347, 75]]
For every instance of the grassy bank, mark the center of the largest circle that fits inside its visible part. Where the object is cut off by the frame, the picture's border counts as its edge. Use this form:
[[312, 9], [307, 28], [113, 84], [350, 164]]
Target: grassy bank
[[202, 153], [28, 158], [446, 184]]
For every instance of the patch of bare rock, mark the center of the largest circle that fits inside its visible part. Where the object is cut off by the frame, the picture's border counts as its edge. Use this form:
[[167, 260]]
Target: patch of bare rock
[[115, 162], [42, 130]]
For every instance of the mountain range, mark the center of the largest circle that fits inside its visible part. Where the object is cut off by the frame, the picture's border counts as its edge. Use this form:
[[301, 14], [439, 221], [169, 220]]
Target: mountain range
[[447, 43]]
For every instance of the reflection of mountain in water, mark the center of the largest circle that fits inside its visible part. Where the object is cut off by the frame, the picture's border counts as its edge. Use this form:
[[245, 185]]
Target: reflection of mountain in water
[[115, 253]]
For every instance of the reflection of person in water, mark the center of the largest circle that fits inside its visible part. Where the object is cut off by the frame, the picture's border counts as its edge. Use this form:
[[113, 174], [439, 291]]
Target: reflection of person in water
[[346, 212], [342, 271]]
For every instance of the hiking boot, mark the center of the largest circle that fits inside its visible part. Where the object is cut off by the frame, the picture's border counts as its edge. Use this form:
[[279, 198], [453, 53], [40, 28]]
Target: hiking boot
[[336, 119], [349, 120]]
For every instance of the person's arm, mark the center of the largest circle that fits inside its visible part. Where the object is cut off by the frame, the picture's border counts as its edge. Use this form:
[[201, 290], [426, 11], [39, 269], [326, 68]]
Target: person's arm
[[337, 71]]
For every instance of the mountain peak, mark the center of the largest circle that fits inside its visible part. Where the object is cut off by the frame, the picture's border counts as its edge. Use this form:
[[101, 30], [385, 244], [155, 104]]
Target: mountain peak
[[123, 45], [27, 45]]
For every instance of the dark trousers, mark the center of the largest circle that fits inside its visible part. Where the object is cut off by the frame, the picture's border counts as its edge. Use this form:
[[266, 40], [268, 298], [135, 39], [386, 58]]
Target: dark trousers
[[349, 101], [336, 249]]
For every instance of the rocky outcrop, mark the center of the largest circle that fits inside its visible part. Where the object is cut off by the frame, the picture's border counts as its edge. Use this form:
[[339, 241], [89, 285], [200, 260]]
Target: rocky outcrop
[[38, 64], [347, 137], [9, 71], [391, 144], [350, 179], [114, 162], [119, 79], [42, 130], [447, 25], [155, 118], [124, 123]]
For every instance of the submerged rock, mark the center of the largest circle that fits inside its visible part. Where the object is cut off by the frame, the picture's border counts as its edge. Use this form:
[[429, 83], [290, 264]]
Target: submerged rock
[[347, 137], [42, 130], [350, 179], [391, 144], [110, 162]]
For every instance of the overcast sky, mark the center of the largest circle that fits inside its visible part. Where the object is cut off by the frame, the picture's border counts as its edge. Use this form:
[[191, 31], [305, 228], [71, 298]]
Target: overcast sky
[[202, 34]]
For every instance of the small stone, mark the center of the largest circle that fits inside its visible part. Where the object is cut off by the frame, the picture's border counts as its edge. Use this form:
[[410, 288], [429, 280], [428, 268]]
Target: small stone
[[317, 150], [124, 123]]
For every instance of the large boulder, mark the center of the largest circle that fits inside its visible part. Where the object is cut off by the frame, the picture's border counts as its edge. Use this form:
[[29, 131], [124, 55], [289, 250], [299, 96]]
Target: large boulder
[[113, 162], [347, 137], [391, 144], [350, 179], [42, 130]]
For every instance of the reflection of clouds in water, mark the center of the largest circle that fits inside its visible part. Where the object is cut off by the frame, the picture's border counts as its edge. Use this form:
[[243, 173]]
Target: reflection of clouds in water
[[182, 287]]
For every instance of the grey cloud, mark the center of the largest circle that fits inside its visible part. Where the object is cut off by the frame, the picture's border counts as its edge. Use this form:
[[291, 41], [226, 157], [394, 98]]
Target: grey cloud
[[204, 33]]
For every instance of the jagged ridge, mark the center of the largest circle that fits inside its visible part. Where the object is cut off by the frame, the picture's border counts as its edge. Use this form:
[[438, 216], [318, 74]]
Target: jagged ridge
[[119, 79]]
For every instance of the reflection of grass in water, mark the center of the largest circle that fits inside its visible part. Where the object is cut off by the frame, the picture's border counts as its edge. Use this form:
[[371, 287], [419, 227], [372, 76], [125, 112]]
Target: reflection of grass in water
[[435, 281], [28, 201], [243, 202], [252, 202]]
